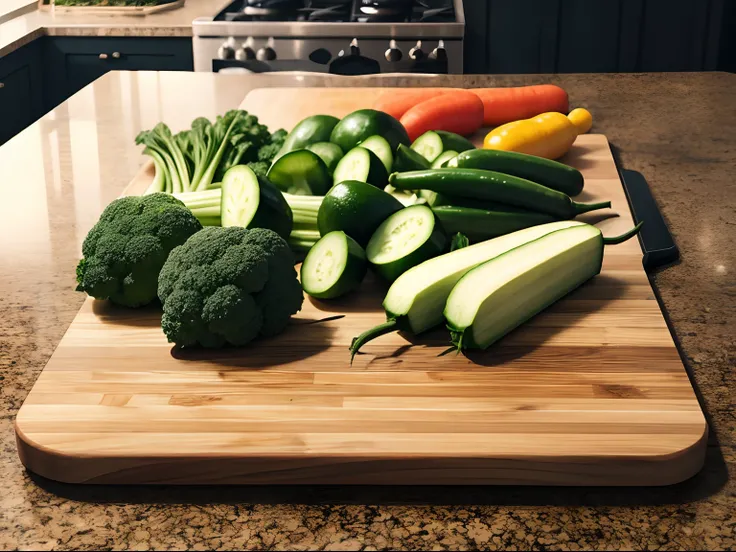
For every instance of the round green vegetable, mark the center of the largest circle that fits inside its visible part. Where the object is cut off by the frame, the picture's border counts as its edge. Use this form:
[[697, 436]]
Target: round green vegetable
[[311, 130], [363, 124], [334, 266]]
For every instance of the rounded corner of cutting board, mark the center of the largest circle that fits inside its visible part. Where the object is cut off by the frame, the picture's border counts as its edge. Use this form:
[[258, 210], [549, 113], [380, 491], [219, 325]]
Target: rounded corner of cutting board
[[685, 462]]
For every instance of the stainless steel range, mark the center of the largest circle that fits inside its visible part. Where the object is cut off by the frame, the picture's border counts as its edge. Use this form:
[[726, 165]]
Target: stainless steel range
[[348, 37]]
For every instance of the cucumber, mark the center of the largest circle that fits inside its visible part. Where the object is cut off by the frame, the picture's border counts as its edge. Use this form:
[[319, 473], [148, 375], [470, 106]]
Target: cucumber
[[452, 141], [311, 130], [409, 160], [253, 202], [443, 158], [334, 266], [414, 302], [364, 123], [480, 224], [380, 146], [405, 239], [546, 172], [300, 172], [494, 186], [329, 153], [363, 165], [506, 291], [357, 208], [433, 199], [428, 145]]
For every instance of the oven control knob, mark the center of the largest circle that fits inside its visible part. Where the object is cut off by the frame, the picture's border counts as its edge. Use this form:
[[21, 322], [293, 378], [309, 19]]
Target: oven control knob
[[246, 51], [416, 53], [393, 54], [321, 56], [439, 53], [227, 50], [267, 53]]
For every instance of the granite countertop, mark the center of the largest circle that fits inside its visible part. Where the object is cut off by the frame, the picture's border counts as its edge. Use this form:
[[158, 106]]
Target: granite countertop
[[25, 28], [679, 130]]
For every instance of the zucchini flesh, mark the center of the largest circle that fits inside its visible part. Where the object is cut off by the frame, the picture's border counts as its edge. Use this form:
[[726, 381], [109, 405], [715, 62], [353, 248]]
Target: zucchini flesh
[[502, 293], [443, 158], [335, 265], [380, 146], [241, 196], [362, 165], [415, 301], [428, 145]]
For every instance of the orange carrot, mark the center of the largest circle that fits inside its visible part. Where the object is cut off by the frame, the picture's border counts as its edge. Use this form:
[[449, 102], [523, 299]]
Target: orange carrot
[[460, 112], [398, 102], [503, 105]]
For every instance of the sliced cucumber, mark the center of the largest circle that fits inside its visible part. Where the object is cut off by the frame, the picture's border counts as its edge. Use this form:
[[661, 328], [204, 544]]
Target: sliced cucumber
[[481, 224], [502, 293], [361, 124], [405, 239], [428, 145], [362, 165], [409, 160], [443, 158], [253, 202], [329, 153], [300, 172], [380, 146], [334, 266], [415, 301], [452, 141]]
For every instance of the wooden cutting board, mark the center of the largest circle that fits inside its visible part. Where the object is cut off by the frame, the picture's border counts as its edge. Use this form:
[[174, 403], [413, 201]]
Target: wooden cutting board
[[590, 392]]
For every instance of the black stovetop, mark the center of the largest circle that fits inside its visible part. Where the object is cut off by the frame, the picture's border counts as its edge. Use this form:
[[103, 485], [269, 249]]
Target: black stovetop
[[357, 11]]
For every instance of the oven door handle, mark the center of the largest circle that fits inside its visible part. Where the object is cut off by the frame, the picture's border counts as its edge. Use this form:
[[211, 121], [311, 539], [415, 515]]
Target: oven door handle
[[278, 65]]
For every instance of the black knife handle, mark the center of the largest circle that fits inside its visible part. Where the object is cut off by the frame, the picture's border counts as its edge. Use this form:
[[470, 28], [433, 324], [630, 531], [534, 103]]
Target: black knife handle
[[656, 241]]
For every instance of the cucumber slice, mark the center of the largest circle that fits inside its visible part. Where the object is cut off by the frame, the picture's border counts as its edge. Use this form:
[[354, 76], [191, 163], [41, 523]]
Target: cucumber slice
[[253, 202], [452, 141], [428, 145], [500, 294], [380, 146], [409, 160], [334, 266], [443, 158], [362, 165], [405, 239], [311, 130], [300, 172], [329, 153], [361, 124]]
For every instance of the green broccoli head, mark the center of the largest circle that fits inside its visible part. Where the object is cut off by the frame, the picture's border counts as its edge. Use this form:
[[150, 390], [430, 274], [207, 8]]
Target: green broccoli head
[[260, 167], [124, 252], [228, 285]]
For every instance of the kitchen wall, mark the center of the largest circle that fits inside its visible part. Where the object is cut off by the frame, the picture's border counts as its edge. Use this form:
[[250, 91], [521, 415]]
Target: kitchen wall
[[569, 36]]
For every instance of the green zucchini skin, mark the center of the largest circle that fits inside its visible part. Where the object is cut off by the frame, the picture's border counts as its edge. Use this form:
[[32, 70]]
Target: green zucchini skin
[[273, 210], [407, 159], [493, 186], [546, 172], [481, 224], [311, 130], [364, 123], [452, 141]]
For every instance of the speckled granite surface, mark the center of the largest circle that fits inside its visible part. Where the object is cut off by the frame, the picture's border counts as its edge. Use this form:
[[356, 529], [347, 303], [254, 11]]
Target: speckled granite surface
[[678, 129]]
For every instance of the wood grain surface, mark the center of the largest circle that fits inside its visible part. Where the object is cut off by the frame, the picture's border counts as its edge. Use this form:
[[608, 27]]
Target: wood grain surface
[[590, 392]]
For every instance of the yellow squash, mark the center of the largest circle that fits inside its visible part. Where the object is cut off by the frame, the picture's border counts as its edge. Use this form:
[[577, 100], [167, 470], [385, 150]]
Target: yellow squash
[[547, 135]]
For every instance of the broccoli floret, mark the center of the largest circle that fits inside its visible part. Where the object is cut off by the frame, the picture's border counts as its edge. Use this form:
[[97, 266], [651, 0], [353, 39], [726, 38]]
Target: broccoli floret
[[124, 252], [260, 167], [228, 285], [269, 151]]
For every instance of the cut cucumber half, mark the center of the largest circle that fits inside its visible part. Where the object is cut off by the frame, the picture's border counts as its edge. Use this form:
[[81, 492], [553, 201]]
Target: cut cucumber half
[[329, 153], [428, 145], [409, 160], [300, 172], [443, 158], [311, 130], [452, 141], [405, 239], [362, 165], [334, 266], [364, 123], [380, 146], [502, 293], [253, 202]]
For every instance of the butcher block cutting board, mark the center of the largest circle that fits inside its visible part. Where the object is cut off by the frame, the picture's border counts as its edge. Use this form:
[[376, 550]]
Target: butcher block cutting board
[[590, 392]]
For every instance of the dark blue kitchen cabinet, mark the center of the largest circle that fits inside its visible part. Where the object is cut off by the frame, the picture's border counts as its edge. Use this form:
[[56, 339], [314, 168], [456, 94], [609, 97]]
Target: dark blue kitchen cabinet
[[74, 62], [21, 100]]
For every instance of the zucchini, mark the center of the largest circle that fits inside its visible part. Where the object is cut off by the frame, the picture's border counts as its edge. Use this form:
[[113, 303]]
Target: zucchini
[[414, 302], [409, 160], [334, 266], [434, 199], [253, 202], [357, 209], [434, 142], [380, 146], [364, 123], [452, 141], [480, 224], [494, 186], [311, 130], [443, 159], [300, 172], [329, 153], [363, 165], [546, 172], [506, 291], [405, 239]]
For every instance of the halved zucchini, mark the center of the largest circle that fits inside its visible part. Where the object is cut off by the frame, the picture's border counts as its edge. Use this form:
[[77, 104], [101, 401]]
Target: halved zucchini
[[362, 165], [443, 158], [329, 153], [409, 160], [334, 266], [380, 146], [300, 172]]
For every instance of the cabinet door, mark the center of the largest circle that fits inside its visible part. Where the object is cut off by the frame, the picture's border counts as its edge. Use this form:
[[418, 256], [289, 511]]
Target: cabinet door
[[73, 63], [20, 91]]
